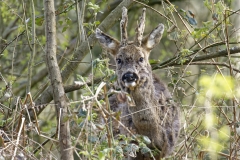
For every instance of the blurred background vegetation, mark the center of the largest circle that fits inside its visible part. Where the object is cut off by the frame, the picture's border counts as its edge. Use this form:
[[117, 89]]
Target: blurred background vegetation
[[197, 58]]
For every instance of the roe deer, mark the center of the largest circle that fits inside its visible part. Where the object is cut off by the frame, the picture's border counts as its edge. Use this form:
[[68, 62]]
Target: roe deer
[[154, 114]]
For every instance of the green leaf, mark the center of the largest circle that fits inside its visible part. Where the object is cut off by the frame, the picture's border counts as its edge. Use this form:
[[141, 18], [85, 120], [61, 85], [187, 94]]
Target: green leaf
[[84, 153], [97, 23], [68, 21], [81, 124], [145, 150], [64, 29], [189, 73], [185, 52], [9, 120], [101, 155], [119, 150], [132, 147], [173, 36], [82, 113], [39, 21], [207, 4], [93, 139], [121, 136], [146, 140], [171, 85], [113, 78], [2, 122], [85, 24], [93, 6], [60, 22], [175, 81], [182, 10], [153, 61]]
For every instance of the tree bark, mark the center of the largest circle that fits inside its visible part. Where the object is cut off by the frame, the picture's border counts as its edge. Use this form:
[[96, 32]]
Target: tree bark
[[59, 96]]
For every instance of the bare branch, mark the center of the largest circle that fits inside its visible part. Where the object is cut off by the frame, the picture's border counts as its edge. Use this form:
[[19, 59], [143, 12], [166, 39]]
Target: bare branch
[[25, 24], [33, 49], [15, 38], [18, 138], [214, 63], [174, 61]]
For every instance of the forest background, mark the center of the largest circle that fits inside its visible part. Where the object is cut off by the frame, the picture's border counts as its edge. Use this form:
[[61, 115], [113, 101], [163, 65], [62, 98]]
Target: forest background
[[198, 58]]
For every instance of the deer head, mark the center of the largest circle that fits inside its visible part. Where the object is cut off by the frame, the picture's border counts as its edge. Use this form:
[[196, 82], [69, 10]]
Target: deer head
[[132, 66]]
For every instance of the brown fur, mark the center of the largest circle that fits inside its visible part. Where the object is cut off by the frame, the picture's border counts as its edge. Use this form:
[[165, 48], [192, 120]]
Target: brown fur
[[154, 114]]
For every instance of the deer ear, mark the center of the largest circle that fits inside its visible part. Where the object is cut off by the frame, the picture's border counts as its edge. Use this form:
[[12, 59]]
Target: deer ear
[[107, 41], [153, 38]]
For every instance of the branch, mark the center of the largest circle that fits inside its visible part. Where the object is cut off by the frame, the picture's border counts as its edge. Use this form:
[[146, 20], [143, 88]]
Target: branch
[[60, 98], [67, 89], [25, 24], [214, 63], [221, 53], [174, 61], [6, 45], [74, 87], [30, 63]]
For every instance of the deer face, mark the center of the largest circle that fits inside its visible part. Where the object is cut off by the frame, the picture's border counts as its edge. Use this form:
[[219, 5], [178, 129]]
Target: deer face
[[133, 68]]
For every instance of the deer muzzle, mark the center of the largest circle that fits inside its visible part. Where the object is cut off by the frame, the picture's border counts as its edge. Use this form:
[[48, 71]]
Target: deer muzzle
[[130, 80]]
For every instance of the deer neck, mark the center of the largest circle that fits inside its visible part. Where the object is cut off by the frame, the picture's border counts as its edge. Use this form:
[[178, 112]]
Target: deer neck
[[144, 96], [144, 113]]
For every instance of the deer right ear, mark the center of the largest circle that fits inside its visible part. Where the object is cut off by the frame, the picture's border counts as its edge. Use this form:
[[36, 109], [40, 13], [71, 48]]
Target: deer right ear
[[107, 41], [154, 37]]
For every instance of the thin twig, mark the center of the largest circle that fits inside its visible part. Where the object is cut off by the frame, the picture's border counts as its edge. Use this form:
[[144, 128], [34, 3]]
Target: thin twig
[[214, 63], [155, 11], [41, 145], [25, 24], [18, 138], [33, 49], [6, 45]]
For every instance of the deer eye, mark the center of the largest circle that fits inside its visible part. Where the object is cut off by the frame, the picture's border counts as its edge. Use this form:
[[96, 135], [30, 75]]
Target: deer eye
[[119, 61], [141, 59]]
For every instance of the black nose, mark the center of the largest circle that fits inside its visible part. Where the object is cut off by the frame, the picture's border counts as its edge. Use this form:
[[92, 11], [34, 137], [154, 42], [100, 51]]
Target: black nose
[[129, 77]]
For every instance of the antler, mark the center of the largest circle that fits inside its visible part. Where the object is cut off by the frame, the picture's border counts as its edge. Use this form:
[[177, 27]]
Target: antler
[[123, 27], [140, 28]]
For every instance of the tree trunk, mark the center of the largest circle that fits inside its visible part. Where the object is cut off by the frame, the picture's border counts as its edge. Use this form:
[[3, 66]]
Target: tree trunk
[[56, 82]]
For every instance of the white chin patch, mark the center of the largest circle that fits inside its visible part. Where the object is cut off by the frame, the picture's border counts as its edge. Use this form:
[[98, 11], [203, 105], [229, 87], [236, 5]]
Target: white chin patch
[[130, 85]]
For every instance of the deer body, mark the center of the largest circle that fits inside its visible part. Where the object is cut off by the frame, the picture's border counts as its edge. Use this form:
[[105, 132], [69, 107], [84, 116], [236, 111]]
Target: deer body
[[153, 115]]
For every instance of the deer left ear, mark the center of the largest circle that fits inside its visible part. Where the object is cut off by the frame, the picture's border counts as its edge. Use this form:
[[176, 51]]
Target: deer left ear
[[107, 41], [153, 38]]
